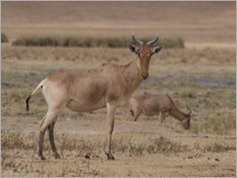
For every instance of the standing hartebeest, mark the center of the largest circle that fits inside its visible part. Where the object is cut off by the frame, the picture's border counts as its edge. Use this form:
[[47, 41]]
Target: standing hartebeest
[[158, 104], [84, 90]]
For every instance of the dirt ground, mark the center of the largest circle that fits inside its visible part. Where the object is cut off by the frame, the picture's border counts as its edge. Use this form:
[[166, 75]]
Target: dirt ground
[[143, 148], [202, 76]]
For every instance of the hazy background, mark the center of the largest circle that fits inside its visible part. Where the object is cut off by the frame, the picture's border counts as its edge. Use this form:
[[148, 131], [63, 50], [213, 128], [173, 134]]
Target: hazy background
[[195, 22]]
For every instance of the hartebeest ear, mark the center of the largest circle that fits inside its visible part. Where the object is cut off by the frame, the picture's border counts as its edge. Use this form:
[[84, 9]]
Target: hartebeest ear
[[132, 48], [156, 49]]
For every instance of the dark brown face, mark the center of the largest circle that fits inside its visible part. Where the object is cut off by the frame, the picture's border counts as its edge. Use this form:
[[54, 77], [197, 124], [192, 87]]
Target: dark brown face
[[144, 52], [186, 119], [186, 123]]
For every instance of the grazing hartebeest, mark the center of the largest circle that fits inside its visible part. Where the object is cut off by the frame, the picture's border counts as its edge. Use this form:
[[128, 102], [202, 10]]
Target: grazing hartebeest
[[161, 105], [84, 90]]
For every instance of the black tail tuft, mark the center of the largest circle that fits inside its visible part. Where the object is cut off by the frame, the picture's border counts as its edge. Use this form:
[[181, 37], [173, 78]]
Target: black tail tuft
[[27, 103]]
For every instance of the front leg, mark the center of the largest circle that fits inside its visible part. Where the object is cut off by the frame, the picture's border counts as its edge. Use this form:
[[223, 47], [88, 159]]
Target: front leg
[[137, 114], [111, 107]]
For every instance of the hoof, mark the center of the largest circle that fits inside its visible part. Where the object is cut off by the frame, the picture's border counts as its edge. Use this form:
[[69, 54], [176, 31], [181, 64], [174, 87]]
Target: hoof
[[42, 157], [110, 156], [87, 157], [57, 156]]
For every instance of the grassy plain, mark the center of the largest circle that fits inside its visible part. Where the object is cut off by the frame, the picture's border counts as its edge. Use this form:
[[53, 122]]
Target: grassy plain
[[202, 75], [185, 74]]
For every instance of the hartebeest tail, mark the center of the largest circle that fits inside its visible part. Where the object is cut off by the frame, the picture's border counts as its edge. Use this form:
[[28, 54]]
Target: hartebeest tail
[[28, 98]]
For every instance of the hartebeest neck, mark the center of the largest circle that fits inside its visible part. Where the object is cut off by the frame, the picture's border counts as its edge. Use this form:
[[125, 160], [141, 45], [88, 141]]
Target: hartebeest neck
[[132, 74], [177, 114]]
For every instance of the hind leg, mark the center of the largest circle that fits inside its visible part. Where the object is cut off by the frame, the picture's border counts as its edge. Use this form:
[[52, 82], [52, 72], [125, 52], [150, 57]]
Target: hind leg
[[50, 118], [41, 140], [162, 117], [51, 140]]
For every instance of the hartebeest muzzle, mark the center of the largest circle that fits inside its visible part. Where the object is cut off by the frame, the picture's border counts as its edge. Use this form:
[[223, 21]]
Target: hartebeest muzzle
[[144, 75]]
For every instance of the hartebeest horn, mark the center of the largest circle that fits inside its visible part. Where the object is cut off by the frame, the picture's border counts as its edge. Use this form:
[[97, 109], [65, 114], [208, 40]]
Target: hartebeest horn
[[189, 111], [153, 41], [136, 40]]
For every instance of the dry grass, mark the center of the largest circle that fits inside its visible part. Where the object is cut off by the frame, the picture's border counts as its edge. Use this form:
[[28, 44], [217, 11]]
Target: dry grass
[[17, 147], [188, 84], [93, 145], [213, 113], [212, 125], [140, 147], [137, 145]]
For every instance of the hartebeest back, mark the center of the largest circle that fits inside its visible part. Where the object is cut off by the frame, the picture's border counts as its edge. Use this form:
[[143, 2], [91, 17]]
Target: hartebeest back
[[84, 90], [158, 104]]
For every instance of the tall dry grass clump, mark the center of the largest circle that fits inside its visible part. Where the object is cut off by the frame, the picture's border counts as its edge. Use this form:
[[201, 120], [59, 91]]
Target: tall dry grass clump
[[93, 145], [80, 145], [15, 140]]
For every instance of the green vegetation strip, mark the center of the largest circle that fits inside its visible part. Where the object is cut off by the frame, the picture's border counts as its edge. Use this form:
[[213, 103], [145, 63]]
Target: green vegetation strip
[[90, 42]]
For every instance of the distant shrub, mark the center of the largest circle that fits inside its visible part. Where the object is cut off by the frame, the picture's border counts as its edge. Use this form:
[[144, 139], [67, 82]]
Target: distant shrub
[[90, 42], [4, 38], [37, 41]]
